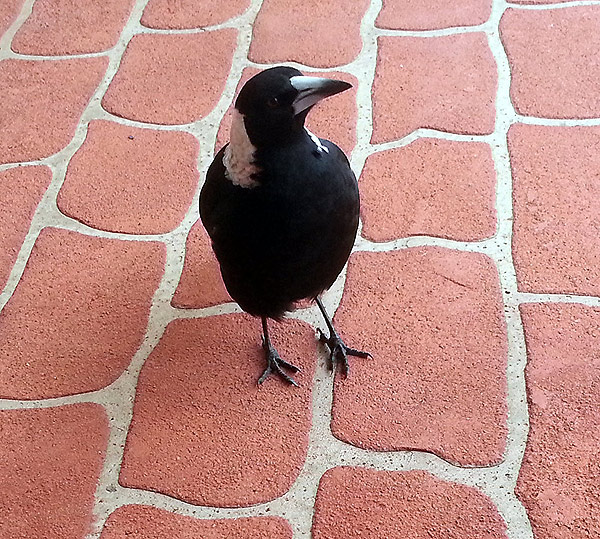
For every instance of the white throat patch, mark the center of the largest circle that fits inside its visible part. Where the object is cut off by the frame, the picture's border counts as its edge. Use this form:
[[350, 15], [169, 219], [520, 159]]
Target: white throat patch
[[238, 158], [320, 146]]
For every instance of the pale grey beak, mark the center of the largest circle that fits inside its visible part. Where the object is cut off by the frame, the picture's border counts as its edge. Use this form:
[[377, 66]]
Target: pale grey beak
[[312, 89]]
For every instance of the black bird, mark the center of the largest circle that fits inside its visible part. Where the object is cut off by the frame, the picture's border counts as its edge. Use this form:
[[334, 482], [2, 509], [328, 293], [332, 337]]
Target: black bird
[[281, 206]]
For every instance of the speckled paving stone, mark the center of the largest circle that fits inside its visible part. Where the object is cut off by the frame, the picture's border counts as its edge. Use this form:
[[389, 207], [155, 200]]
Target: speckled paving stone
[[51, 459], [433, 320], [558, 482], [190, 13], [9, 9], [200, 284], [553, 56], [171, 79], [58, 27], [455, 93], [301, 31], [203, 431], [40, 110], [142, 522], [125, 179], [430, 187], [432, 15], [355, 502], [78, 314], [333, 118], [21, 189], [556, 207]]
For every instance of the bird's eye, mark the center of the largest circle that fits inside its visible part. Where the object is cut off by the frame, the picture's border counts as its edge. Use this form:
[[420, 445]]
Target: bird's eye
[[273, 102]]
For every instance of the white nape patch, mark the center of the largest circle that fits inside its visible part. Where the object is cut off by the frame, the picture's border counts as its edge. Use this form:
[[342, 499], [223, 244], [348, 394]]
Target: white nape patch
[[320, 146], [238, 158]]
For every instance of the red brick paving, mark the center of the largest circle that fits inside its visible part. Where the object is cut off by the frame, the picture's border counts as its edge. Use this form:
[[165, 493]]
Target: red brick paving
[[237, 446], [558, 482], [190, 13], [58, 27], [556, 201], [22, 190], [193, 437], [455, 93], [554, 61], [438, 340], [78, 314], [431, 15], [125, 179], [430, 187], [35, 101], [354, 502], [162, 78], [141, 522], [51, 459]]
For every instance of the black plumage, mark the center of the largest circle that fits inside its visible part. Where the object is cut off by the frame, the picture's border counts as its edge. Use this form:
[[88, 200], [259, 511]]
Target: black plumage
[[280, 205]]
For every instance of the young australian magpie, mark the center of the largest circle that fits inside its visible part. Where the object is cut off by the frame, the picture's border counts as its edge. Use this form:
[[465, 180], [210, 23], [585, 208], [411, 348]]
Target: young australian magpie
[[281, 206]]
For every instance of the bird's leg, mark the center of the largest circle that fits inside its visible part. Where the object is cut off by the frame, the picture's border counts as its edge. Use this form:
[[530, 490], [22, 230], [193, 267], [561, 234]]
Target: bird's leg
[[275, 364], [339, 352]]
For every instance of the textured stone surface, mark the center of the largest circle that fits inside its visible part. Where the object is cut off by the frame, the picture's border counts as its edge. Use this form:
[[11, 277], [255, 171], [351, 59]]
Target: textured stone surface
[[302, 32], [78, 314], [556, 207], [21, 189], [431, 15], [190, 13], [553, 56], [333, 118], [455, 93], [355, 502], [432, 318], [430, 187], [51, 459], [203, 431], [39, 109], [57, 27], [131, 180], [142, 522], [200, 284], [9, 9], [558, 482], [171, 79]]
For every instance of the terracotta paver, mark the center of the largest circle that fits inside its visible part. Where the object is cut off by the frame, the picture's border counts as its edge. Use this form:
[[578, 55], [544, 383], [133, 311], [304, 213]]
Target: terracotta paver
[[473, 209], [455, 93], [94, 295], [51, 459], [163, 78], [189, 13], [354, 502], [141, 522], [125, 179], [58, 27], [554, 67], [556, 207], [430, 187], [558, 482], [281, 32], [431, 15], [237, 446], [34, 101], [21, 191], [438, 339]]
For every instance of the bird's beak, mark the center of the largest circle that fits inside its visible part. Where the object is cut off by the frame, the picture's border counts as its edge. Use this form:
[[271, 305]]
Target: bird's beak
[[312, 89]]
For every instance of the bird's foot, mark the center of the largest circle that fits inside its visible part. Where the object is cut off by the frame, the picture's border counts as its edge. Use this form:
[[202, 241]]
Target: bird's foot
[[339, 352], [275, 365]]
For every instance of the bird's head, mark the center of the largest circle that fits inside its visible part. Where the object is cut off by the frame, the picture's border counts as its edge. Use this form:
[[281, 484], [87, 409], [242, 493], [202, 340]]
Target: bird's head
[[274, 103]]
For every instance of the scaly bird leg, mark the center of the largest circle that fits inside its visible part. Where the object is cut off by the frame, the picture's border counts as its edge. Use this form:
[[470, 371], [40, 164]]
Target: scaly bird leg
[[275, 364]]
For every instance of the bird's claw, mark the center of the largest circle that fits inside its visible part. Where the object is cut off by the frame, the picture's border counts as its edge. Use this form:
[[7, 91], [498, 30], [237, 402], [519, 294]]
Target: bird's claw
[[339, 352], [275, 365]]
